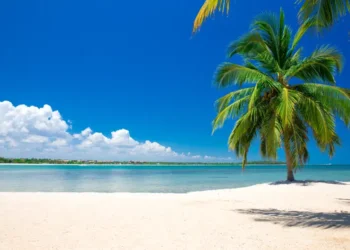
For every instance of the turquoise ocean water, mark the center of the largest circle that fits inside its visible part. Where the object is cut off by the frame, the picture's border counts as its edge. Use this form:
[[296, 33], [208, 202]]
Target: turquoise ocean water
[[156, 179]]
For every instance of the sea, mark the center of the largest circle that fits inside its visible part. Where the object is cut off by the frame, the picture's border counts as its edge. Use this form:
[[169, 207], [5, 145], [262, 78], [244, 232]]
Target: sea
[[153, 179]]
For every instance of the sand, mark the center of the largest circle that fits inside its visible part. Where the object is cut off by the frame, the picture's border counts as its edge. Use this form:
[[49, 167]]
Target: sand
[[295, 216]]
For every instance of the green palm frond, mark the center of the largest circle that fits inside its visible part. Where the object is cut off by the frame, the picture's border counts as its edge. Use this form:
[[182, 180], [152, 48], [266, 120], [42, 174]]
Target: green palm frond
[[233, 74], [223, 102], [244, 132], [230, 111], [276, 37], [334, 98], [322, 65], [329, 147], [245, 144], [286, 106], [325, 12], [267, 25], [270, 136], [293, 60], [304, 27], [250, 44], [297, 139], [317, 117]]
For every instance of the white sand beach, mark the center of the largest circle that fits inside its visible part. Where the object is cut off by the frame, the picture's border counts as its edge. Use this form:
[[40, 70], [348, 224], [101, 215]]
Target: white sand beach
[[295, 216]]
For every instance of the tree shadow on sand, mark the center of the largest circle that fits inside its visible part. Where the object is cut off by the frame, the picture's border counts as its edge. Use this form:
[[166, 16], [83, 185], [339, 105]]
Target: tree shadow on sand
[[346, 201], [300, 218], [307, 182]]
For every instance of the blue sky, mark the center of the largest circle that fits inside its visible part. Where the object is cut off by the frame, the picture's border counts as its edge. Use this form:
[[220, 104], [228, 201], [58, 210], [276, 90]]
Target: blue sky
[[109, 65]]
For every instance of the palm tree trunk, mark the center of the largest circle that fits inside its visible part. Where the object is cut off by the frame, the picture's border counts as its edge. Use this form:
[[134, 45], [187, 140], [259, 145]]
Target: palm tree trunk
[[290, 174]]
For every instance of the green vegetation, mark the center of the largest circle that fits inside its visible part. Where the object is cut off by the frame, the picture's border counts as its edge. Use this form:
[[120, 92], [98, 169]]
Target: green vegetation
[[88, 162], [325, 12], [291, 94]]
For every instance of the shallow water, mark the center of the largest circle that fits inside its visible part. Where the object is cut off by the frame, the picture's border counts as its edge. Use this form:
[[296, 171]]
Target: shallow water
[[154, 179]]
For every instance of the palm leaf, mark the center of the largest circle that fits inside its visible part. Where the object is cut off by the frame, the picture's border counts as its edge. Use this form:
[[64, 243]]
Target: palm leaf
[[249, 45], [325, 12], [334, 98], [320, 66], [317, 117], [286, 107], [207, 9], [230, 111], [297, 135], [306, 25], [271, 131], [232, 74], [223, 102], [244, 132]]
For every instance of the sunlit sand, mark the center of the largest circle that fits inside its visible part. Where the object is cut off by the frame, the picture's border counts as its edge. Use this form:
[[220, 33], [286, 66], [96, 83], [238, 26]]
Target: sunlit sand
[[296, 216]]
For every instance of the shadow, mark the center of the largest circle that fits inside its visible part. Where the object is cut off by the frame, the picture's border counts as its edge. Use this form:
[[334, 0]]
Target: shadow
[[306, 182], [347, 201], [301, 218]]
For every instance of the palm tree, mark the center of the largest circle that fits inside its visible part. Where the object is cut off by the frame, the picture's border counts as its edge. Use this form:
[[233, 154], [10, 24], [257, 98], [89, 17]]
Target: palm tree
[[326, 12], [288, 95]]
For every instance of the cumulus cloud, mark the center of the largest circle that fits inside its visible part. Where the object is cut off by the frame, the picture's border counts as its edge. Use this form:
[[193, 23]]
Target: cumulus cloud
[[29, 131], [59, 142]]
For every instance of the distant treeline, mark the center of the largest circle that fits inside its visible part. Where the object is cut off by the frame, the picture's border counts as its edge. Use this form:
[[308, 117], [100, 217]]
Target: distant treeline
[[60, 161]]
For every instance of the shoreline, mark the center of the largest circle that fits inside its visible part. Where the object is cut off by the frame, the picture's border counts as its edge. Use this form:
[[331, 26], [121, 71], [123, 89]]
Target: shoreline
[[161, 165], [150, 164], [202, 192], [139, 165]]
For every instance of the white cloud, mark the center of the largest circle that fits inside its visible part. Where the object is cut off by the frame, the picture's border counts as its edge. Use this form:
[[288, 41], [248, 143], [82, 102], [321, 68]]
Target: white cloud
[[35, 139], [86, 132], [122, 137], [59, 142], [28, 120], [29, 131]]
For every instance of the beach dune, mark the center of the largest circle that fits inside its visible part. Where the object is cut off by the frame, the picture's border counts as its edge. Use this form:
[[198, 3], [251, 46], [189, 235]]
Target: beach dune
[[294, 216]]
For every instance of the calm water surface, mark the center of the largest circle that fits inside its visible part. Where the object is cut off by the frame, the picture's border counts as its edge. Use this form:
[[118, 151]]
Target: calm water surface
[[157, 179]]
